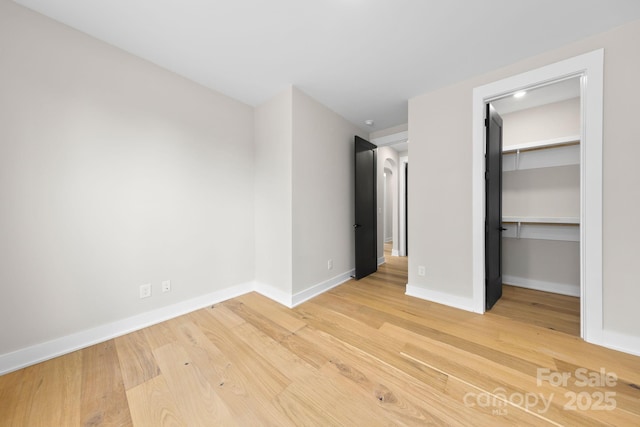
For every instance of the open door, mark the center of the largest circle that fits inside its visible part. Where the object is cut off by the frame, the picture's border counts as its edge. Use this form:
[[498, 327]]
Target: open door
[[366, 224], [493, 215], [406, 209]]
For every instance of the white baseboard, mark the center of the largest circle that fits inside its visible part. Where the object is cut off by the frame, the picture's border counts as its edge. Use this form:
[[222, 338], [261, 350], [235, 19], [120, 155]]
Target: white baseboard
[[44, 351], [48, 350], [320, 288], [394, 252], [275, 294], [539, 285], [381, 260], [388, 239], [291, 301], [440, 297], [621, 342]]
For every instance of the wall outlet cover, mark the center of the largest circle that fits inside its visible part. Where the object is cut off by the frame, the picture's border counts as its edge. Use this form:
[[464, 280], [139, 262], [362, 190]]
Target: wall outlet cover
[[166, 286], [145, 290]]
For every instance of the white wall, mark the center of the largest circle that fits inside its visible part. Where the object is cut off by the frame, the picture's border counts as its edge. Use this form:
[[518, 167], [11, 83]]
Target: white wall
[[304, 197], [273, 194], [543, 192], [542, 123], [323, 194], [440, 129], [113, 173], [549, 265]]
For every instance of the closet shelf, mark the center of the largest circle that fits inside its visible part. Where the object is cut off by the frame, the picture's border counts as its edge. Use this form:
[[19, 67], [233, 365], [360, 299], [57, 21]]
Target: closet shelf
[[563, 151], [541, 228], [542, 220], [548, 143]]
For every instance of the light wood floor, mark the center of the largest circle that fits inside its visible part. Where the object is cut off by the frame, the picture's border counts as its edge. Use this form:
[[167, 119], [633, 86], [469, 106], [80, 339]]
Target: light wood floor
[[545, 309], [362, 354]]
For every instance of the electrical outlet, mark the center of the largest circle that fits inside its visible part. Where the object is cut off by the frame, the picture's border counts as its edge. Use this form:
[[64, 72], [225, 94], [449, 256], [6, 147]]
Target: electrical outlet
[[145, 290], [422, 270], [166, 286], [330, 264]]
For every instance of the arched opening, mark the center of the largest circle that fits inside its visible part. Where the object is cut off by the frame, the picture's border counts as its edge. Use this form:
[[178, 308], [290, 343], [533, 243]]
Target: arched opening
[[388, 215]]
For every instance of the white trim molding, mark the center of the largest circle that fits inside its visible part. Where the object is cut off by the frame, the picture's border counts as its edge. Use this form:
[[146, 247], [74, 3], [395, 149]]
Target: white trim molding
[[395, 138], [69, 343], [57, 347], [455, 301], [540, 285], [621, 342], [274, 294], [321, 288], [590, 68]]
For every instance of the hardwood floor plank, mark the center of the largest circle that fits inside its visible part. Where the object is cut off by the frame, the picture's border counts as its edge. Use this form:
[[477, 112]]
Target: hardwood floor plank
[[236, 389], [305, 412], [45, 394], [483, 378], [523, 339], [136, 360], [326, 391], [104, 401], [16, 391], [194, 396], [162, 334], [367, 339], [284, 336], [275, 312], [152, 405], [267, 378], [545, 309], [484, 348], [393, 394], [288, 362]]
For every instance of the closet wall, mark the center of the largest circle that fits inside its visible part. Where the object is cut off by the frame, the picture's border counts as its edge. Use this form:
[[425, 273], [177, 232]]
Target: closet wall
[[541, 198]]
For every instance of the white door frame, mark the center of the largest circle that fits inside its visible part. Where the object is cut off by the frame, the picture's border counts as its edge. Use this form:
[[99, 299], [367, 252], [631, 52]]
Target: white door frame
[[590, 67], [400, 200]]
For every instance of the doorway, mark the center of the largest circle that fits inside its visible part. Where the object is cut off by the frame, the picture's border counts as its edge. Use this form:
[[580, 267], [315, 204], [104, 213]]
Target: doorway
[[534, 189], [589, 68], [393, 158]]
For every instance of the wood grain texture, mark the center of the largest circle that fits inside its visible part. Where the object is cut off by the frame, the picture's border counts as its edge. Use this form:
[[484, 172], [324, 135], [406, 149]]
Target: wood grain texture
[[103, 398], [46, 394], [136, 359], [363, 353], [561, 312], [152, 405]]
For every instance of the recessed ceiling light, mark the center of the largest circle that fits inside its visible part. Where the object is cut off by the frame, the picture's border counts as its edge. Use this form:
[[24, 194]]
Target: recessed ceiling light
[[520, 94], [368, 122]]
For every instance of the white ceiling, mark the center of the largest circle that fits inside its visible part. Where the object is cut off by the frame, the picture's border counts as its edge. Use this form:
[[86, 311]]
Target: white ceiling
[[362, 58]]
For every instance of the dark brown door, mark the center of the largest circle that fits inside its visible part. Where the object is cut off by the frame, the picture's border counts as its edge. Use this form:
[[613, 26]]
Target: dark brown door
[[366, 225], [493, 214]]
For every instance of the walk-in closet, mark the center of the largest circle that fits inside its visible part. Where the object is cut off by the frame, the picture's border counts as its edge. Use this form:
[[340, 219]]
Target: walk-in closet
[[541, 191]]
